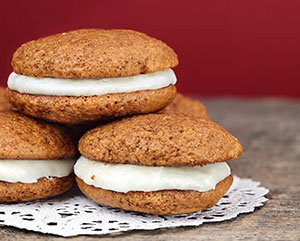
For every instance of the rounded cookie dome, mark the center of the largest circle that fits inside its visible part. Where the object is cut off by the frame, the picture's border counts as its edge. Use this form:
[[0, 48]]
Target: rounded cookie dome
[[93, 53], [160, 140], [22, 137]]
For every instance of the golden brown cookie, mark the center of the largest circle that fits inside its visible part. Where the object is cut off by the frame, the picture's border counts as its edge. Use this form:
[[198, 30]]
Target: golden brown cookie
[[4, 104], [165, 202], [93, 53], [160, 140], [187, 106], [82, 109], [26, 138], [43, 188]]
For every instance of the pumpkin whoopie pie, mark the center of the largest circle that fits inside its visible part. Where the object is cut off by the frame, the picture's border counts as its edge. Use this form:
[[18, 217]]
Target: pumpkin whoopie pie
[[4, 104], [162, 164], [36, 158], [187, 106], [92, 75]]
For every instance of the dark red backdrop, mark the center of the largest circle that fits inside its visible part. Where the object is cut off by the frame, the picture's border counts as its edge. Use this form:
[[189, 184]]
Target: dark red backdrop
[[248, 47]]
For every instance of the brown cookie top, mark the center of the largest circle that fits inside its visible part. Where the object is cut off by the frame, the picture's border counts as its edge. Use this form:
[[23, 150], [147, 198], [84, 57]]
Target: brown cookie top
[[160, 140], [22, 137], [4, 104], [187, 106], [93, 53]]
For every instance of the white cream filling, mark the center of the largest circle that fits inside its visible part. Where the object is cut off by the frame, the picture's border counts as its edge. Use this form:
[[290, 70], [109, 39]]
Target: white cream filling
[[29, 171], [125, 177], [89, 87]]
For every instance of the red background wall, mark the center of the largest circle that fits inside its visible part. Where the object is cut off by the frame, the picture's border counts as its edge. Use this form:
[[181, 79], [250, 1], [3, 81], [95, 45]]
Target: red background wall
[[230, 47]]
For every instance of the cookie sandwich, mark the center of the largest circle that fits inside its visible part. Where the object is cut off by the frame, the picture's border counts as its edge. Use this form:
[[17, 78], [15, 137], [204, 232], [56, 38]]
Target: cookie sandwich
[[92, 75], [4, 104], [162, 164], [187, 106], [36, 158]]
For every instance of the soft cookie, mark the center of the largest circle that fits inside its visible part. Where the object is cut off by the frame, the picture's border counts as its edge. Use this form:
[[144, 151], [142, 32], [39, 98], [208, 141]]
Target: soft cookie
[[92, 75], [162, 164], [36, 158]]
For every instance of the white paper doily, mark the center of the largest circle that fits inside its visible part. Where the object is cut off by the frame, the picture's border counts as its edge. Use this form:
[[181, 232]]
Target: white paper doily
[[73, 214]]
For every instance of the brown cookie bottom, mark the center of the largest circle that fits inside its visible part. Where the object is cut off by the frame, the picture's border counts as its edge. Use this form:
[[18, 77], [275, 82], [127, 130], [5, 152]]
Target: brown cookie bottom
[[84, 109], [165, 202], [43, 188]]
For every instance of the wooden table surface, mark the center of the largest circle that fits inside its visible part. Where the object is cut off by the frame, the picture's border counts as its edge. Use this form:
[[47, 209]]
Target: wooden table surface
[[269, 130]]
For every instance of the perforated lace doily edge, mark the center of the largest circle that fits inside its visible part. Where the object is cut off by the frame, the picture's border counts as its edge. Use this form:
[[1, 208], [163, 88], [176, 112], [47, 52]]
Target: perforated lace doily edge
[[260, 202]]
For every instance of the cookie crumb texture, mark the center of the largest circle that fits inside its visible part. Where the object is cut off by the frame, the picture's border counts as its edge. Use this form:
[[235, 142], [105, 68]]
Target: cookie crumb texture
[[4, 104], [160, 140], [165, 202], [79, 110], [93, 53], [25, 138], [187, 106], [43, 188]]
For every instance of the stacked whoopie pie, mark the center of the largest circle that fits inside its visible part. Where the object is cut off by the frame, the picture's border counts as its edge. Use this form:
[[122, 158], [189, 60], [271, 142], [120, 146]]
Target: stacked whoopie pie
[[36, 158], [162, 164], [92, 75], [170, 162]]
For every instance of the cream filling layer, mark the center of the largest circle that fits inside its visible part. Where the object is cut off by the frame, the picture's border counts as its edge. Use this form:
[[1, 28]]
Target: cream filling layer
[[89, 87], [29, 171], [126, 177]]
